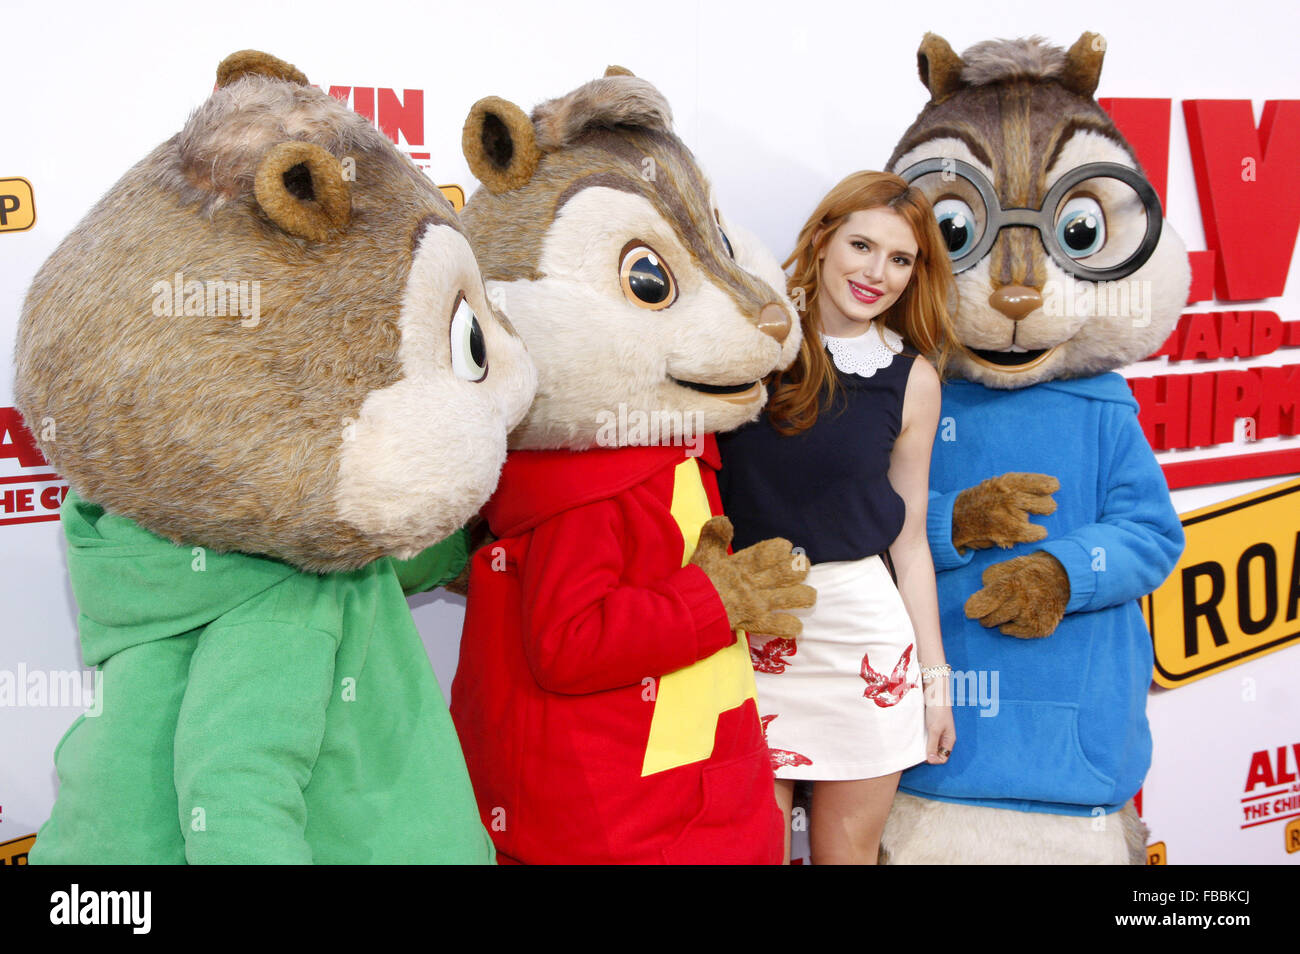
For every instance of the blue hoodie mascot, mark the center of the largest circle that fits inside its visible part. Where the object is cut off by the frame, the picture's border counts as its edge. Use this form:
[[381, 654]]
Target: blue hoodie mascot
[[1065, 271]]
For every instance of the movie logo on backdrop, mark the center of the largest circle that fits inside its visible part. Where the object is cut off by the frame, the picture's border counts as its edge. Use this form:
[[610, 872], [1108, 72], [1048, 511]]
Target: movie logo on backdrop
[[1272, 792], [1248, 185], [397, 117], [30, 490]]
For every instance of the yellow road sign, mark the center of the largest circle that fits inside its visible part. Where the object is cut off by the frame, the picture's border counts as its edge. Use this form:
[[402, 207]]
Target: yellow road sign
[[1235, 594], [17, 206]]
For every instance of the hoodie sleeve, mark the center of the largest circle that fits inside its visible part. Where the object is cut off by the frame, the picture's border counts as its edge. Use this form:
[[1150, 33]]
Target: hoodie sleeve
[[938, 528], [249, 731], [1137, 539], [587, 630], [435, 565]]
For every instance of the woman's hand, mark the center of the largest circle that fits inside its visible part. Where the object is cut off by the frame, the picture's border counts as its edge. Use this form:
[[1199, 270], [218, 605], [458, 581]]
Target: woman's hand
[[940, 733]]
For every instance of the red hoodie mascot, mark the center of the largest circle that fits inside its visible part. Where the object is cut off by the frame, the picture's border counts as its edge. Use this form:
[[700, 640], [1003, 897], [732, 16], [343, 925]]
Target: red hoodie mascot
[[604, 699]]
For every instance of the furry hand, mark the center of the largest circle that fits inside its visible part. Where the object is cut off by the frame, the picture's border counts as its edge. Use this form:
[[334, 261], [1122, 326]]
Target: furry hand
[[995, 512], [1025, 596], [755, 582]]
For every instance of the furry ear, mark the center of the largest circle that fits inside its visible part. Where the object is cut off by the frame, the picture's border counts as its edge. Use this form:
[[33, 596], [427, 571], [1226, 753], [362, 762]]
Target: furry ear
[[500, 144], [302, 189], [940, 68], [1083, 64], [254, 62], [613, 70], [620, 100]]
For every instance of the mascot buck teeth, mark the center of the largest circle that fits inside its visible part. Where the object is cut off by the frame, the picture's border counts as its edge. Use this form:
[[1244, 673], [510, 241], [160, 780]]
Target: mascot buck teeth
[[606, 704], [265, 378], [1065, 271]]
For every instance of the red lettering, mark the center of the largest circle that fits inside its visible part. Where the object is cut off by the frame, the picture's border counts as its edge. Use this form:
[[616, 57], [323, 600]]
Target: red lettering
[[1228, 334], [1235, 333], [17, 441], [1248, 183], [1200, 410], [1266, 333], [52, 497], [1202, 287], [1170, 347], [1236, 394], [17, 500], [1202, 337], [1260, 771], [341, 93], [1163, 409], [1279, 406], [407, 118], [1282, 774], [1145, 124], [363, 101]]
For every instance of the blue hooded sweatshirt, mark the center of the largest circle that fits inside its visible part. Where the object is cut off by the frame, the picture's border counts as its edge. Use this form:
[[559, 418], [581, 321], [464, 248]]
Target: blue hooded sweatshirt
[[1063, 729]]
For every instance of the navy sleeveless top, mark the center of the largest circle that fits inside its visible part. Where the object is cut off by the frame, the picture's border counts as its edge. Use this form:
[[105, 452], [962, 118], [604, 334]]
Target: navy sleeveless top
[[826, 489]]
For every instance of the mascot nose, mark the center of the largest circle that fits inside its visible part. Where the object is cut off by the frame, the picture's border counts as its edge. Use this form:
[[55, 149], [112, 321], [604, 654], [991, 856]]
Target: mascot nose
[[1016, 301], [774, 320]]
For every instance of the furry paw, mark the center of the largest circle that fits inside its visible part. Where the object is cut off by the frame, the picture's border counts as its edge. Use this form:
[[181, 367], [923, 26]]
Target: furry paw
[[995, 512], [1024, 597], [756, 582]]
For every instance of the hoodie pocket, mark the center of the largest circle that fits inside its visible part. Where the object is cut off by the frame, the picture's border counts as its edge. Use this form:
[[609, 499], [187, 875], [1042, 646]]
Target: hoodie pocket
[[1031, 750], [738, 821]]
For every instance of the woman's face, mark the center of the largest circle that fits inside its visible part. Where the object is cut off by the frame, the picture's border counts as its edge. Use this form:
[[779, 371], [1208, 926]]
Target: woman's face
[[866, 265]]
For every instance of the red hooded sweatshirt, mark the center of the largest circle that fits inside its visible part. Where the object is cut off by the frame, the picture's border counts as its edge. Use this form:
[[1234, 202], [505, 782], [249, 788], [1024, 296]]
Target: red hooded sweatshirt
[[606, 709]]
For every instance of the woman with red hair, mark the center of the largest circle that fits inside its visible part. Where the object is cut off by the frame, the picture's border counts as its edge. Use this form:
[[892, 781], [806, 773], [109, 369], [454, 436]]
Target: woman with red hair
[[839, 464]]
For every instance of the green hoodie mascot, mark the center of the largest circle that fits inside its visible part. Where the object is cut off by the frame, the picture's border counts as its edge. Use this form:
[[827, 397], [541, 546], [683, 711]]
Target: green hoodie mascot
[[266, 365]]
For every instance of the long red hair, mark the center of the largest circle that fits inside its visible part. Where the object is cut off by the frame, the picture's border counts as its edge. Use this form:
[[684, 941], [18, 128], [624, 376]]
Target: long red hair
[[920, 315]]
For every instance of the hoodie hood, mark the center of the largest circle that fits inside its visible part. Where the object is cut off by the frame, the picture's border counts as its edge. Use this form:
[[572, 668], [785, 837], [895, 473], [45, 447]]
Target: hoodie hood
[[538, 484], [133, 586]]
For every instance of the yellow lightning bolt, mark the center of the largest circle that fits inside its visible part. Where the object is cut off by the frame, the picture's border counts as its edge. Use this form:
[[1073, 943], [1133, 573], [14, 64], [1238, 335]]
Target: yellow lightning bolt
[[690, 700]]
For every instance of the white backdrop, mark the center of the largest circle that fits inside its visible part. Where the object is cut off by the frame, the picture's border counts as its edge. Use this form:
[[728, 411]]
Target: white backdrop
[[778, 100]]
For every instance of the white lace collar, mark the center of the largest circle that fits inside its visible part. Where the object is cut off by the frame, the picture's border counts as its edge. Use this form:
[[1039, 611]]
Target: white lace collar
[[866, 353]]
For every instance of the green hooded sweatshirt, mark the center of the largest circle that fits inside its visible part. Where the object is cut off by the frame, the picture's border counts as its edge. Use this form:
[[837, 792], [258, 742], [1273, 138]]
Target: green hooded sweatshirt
[[254, 713]]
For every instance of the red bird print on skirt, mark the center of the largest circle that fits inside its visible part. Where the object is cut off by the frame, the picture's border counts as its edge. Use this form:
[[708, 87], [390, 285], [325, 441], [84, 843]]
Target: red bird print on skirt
[[768, 657], [782, 757], [887, 692]]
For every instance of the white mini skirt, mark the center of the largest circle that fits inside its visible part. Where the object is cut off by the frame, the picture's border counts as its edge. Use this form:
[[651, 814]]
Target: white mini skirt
[[843, 700]]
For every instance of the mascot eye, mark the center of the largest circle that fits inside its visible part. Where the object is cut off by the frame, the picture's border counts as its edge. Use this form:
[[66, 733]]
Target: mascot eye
[[957, 225], [646, 281], [468, 350], [1081, 227]]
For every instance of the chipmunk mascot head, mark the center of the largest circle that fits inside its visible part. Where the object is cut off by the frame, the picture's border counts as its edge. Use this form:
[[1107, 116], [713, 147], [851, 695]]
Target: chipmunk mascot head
[[605, 703], [266, 364], [1065, 271]]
